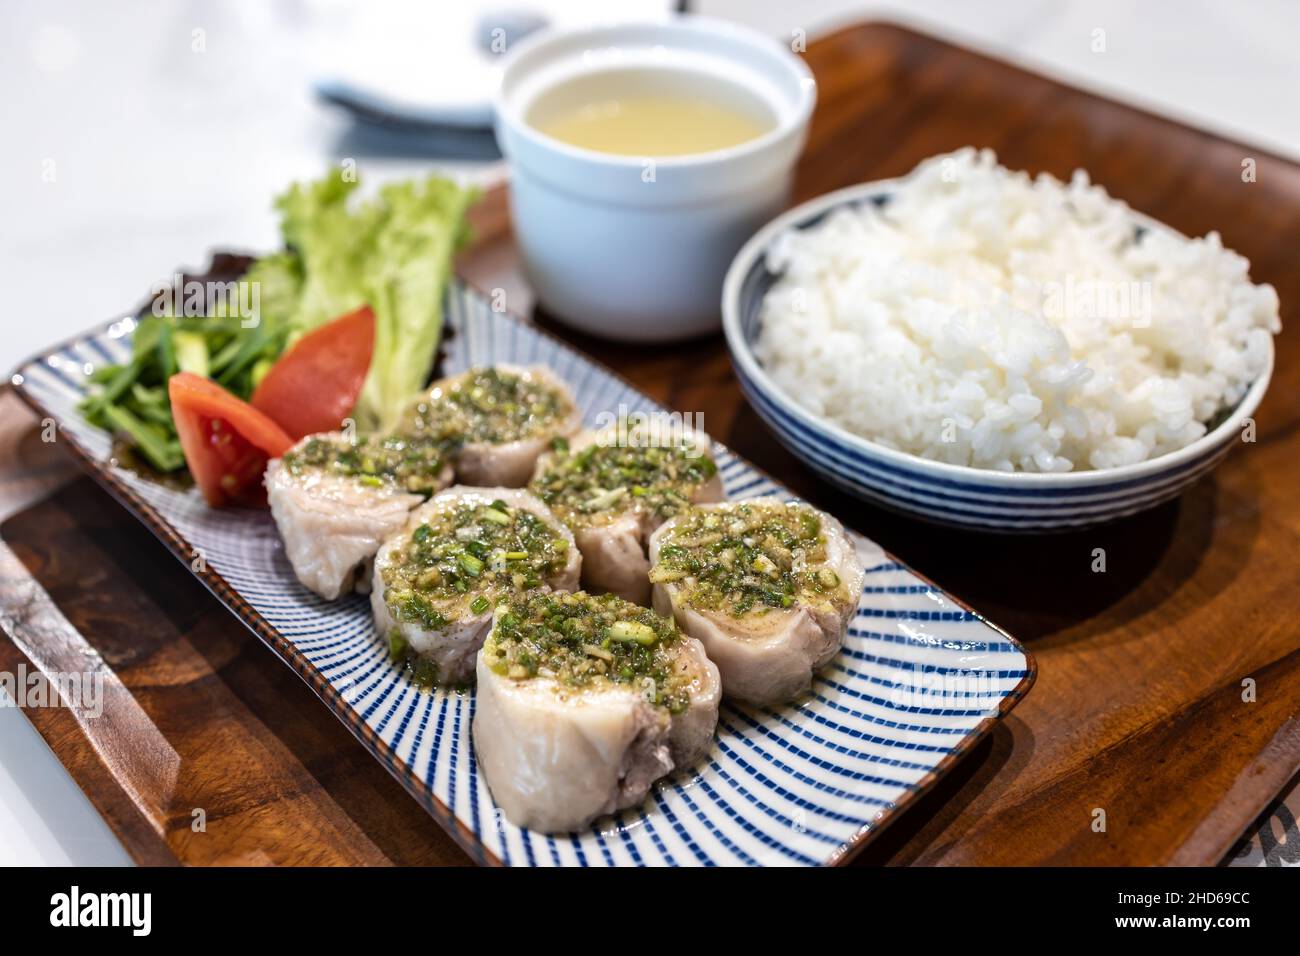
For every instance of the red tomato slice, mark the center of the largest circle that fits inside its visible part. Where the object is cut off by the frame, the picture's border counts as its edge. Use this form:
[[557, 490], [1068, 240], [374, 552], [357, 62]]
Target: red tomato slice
[[314, 386], [226, 441]]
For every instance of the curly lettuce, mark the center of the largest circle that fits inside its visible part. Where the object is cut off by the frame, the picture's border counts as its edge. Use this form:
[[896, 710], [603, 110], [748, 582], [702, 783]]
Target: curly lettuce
[[393, 253]]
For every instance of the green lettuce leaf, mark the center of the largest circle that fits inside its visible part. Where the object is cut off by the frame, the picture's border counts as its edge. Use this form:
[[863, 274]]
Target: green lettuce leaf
[[394, 253]]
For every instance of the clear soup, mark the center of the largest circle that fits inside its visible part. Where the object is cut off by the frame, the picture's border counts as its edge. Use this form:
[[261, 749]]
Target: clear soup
[[651, 113]]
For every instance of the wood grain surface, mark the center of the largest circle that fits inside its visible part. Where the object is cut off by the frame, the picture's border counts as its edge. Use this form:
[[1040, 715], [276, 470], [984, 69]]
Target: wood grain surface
[[1138, 710]]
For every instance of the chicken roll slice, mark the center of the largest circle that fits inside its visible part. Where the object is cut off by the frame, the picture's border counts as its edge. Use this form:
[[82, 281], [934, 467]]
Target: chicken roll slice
[[505, 417], [436, 582], [583, 703], [768, 587], [613, 488], [335, 501]]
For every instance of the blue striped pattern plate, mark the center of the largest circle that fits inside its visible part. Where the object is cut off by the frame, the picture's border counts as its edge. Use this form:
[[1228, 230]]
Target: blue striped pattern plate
[[920, 680], [937, 491]]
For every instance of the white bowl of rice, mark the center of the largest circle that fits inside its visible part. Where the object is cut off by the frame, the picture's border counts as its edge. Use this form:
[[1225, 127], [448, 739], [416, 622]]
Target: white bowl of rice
[[982, 348]]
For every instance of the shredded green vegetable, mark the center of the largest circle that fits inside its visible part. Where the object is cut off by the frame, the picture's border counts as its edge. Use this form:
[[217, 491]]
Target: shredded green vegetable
[[131, 399]]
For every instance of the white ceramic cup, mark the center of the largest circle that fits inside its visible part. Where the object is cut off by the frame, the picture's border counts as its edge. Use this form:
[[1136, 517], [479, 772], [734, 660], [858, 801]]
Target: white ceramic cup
[[635, 248]]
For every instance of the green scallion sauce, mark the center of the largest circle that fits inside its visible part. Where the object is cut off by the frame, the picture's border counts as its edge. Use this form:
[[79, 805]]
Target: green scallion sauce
[[467, 557], [492, 405], [748, 558], [413, 463], [598, 482], [588, 641]]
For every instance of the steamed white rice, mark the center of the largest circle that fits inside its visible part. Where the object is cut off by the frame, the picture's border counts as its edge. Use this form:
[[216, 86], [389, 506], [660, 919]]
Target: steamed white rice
[[989, 319]]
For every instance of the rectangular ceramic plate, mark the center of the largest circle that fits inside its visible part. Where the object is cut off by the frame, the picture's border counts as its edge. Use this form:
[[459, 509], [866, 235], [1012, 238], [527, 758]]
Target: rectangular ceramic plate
[[920, 680]]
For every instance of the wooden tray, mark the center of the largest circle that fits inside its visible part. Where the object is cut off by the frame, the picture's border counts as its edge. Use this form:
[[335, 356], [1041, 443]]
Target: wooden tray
[[1139, 707]]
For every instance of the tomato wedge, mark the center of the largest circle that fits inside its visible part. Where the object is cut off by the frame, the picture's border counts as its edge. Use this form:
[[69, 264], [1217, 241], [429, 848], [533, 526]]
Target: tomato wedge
[[314, 386], [226, 441]]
